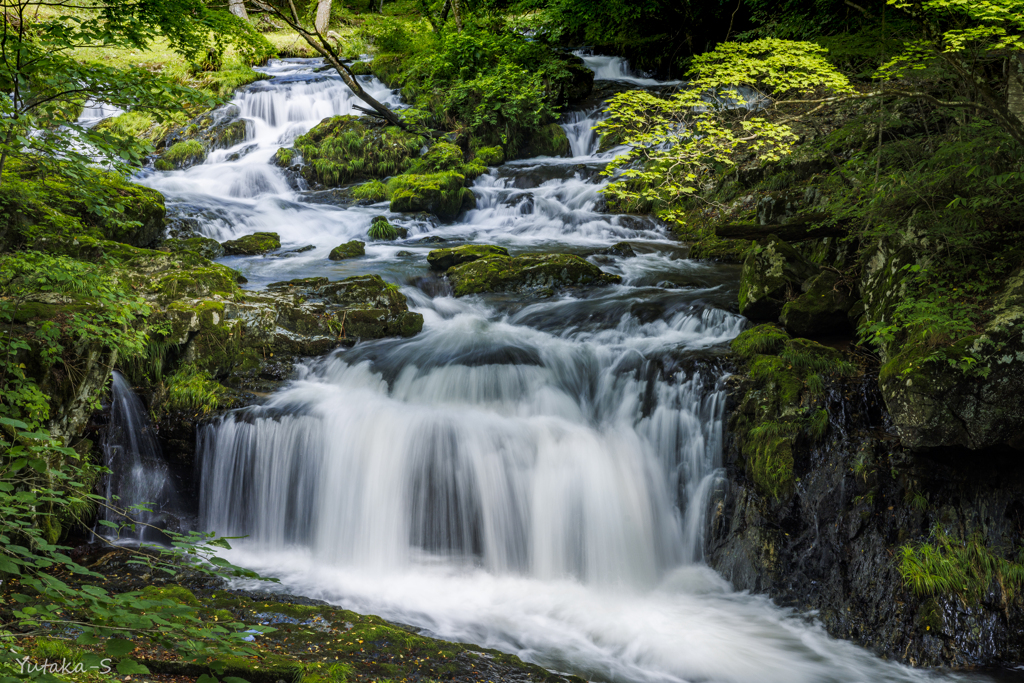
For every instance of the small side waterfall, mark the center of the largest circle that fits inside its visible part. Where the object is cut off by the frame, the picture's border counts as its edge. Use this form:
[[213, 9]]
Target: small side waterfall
[[139, 476]]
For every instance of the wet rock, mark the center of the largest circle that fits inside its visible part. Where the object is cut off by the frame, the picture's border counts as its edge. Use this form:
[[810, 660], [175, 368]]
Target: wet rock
[[431, 239], [820, 310], [245, 151], [773, 272], [299, 250], [538, 273], [404, 253], [623, 249], [648, 311], [252, 245], [443, 259], [547, 141], [204, 246], [353, 249], [189, 145]]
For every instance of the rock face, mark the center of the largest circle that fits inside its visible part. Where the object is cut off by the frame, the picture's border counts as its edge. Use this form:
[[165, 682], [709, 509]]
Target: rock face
[[540, 273], [443, 259], [204, 246], [773, 272], [821, 310], [353, 249], [189, 145], [252, 245], [933, 404]]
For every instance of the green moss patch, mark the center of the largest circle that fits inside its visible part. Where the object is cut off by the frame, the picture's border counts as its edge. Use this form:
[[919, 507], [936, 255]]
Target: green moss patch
[[353, 249], [443, 259], [252, 245], [529, 272]]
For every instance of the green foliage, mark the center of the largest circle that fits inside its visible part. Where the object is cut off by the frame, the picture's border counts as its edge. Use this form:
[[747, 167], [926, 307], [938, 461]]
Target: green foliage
[[193, 391], [762, 339], [944, 566], [375, 191], [681, 145], [381, 229], [180, 154]]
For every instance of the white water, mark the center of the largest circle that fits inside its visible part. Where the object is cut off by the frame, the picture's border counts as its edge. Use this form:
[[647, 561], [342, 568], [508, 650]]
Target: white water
[[608, 68], [139, 482], [532, 475]]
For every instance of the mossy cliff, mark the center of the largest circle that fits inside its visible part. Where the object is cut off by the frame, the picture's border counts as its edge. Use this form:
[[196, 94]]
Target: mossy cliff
[[877, 483]]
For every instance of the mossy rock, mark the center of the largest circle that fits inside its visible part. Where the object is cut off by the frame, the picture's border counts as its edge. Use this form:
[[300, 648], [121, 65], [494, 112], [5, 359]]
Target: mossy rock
[[442, 194], [343, 149], [374, 191], [621, 249], [353, 249], [442, 156], [547, 141], [204, 246], [285, 157], [360, 68], [490, 156], [821, 310], [721, 250], [773, 272], [252, 245], [181, 155], [382, 229], [529, 272], [443, 259]]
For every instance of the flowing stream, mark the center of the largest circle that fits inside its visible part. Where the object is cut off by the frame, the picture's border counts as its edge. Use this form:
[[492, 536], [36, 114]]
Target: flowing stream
[[527, 474]]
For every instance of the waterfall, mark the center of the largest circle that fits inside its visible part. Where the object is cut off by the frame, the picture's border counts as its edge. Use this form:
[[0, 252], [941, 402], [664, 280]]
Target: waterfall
[[138, 473], [529, 473]]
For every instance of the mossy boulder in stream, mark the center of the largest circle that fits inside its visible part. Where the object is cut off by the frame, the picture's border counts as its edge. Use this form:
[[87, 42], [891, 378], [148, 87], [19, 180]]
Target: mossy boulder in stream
[[540, 273], [204, 246], [443, 259], [252, 245], [442, 194], [181, 155], [352, 249], [773, 273], [343, 149]]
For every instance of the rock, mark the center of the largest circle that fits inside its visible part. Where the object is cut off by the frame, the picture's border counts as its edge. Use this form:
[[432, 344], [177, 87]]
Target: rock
[[252, 245], [299, 250], [772, 271], [431, 239], [933, 404], [526, 273], [204, 246], [343, 149], [442, 194], [353, 249], [821, 310], [623, 249], [443, 259], [581, 81], [404, 253], [547, 141], [360, 68], [181, 155]]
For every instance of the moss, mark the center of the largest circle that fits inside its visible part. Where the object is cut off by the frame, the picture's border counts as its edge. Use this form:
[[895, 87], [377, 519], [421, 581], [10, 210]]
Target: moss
[[772, 270], [443, 259], [548, 140], [353, 249], [134, 124], [204, 246], [252, 245], [360, 68], [283, 157], [214, 280], [821, 309], [182, 155], [529, 272], [490, 156], [193, 391], [713, 248], [442, 156], [341, 149], [762, 339], [178, 594], [373, 190], [442, 194]]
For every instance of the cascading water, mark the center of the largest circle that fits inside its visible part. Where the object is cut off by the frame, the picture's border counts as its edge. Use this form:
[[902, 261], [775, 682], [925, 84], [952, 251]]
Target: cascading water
[[608, 68], [527, 474], [139, 481]]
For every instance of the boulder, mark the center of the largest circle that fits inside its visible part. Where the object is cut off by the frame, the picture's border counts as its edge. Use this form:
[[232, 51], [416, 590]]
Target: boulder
[[353, 249], [527, 273], [443, 259], [773, 272], [442, 194], [548, 141], [252, 245], [821, 310], [204, 246], [623, 249]]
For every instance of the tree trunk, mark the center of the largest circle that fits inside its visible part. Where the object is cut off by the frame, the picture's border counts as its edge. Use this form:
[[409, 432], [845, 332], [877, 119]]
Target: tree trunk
[[457, 11], [323, 16], [237, 8]]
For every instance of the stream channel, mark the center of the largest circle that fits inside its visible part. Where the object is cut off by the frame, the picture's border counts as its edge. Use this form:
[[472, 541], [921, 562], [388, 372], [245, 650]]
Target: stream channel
[[528, 474]]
